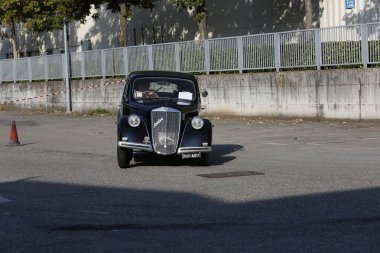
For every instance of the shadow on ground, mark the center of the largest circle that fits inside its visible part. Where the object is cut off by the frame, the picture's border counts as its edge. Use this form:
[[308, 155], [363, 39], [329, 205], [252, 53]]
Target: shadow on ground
[[221, 154], [51, 217]]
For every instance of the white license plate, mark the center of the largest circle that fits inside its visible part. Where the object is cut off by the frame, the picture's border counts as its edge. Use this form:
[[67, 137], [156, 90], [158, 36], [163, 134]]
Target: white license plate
[[191, 155]]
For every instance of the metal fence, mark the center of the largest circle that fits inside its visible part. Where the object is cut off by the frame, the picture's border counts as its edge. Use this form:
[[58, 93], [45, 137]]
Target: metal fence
[[314, 48]]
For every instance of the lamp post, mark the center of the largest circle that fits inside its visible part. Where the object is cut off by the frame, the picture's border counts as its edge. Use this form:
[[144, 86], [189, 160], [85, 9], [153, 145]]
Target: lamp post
[[67, 69]]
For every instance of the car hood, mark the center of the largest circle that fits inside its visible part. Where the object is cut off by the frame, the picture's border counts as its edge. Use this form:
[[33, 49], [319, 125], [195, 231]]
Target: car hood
[[148, 106]]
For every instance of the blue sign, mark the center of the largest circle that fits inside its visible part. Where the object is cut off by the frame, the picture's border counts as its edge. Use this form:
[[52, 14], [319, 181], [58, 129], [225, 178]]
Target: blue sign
[[350, 4]]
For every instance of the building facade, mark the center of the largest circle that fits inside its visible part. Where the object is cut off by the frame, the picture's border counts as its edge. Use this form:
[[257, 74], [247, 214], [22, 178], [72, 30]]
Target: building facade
[[165, 24]]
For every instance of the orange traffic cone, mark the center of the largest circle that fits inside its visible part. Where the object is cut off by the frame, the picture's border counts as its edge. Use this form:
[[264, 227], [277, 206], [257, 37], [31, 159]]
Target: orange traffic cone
[[14, 138]]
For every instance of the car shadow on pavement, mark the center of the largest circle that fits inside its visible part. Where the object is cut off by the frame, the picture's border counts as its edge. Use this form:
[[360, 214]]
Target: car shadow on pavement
[[53, 217], [221, 154]]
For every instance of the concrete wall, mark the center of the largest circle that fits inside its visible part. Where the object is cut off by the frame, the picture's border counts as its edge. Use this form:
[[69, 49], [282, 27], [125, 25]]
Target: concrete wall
[[104, 97], [338, 94]]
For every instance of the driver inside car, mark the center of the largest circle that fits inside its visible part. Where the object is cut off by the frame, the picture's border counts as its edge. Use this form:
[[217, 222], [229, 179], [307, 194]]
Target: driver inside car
[[143, 90]]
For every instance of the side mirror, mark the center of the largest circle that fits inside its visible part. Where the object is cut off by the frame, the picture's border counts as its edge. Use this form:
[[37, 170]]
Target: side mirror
[[204, 93]]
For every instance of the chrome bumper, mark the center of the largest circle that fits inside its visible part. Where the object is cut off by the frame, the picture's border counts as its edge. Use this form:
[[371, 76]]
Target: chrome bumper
[[188, 150], [147, 147], [134, 145]]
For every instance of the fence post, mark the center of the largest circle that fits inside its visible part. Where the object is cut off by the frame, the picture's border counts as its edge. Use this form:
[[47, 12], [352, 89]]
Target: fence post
[[30, 69], [277, 52], [177, 58], [150, 57], [207, 57], [14, 70], [46, 67], [82, 65], [318, 48], [364, 40], [103, 60], [240, 54], [1, 72], [126, 61]]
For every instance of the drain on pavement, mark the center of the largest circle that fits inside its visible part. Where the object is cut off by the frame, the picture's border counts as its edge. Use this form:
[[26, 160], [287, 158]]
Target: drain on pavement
[[232, 174]]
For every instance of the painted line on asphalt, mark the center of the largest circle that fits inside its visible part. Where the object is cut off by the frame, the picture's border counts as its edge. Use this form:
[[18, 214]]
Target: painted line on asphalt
[[315, 143], [277, 144]]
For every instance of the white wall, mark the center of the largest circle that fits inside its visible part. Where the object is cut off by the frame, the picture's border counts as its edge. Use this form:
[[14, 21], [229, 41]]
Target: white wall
[[336, 14]]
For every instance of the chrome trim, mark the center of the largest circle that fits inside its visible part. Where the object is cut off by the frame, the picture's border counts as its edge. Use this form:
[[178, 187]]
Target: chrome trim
[[135, 145], [183, 134], [187, 150], [164, 109]]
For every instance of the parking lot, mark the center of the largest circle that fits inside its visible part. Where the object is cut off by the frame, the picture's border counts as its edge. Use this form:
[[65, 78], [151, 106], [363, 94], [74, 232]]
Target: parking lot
[[315, 189]]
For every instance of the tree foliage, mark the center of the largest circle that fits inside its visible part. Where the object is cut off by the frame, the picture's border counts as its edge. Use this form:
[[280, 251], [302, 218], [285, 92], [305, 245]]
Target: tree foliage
[[115, 5], [200, 13], [124, 8], [37, 15], [47, 15], [198, 5]]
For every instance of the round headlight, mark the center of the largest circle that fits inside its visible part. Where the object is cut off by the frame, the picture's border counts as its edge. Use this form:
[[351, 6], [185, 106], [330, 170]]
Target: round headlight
[[134, 120], [197, 123]]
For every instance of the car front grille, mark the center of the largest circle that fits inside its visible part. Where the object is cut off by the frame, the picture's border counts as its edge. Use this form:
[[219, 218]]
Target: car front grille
[[165, 130]]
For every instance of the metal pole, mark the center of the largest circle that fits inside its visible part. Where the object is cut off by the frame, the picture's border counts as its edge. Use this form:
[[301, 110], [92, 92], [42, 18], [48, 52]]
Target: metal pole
[[277, 52], [318, 49], [364, 41], [150, 57], [177, 57], [240, 54], [207, 57], [67, 76]]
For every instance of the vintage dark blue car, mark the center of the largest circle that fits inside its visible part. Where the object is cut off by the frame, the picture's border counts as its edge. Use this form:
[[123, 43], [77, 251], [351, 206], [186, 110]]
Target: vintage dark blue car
[[160, 113]]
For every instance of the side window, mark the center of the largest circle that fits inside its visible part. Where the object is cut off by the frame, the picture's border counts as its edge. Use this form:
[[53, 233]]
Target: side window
[[126, 89]]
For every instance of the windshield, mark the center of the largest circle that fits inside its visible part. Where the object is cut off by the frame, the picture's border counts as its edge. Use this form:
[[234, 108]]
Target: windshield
[[150, 88]]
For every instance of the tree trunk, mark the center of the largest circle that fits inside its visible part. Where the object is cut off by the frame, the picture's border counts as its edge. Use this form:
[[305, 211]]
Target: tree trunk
[[125, 10], [202, 28], [13, 39], [309, 14]]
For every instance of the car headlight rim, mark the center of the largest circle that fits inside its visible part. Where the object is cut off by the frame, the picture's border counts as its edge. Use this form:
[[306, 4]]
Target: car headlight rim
[[134, 120], [197, 122]]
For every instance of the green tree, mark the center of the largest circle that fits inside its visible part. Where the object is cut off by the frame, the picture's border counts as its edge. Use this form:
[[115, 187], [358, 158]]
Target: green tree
[[39, 16], [124, 7], [200, 13]]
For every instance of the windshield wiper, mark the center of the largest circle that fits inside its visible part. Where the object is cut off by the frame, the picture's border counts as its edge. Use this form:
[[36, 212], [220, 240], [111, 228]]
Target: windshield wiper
[[155, 91]]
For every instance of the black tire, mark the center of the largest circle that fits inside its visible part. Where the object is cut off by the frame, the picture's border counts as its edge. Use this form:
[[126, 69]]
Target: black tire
[[124, 157]]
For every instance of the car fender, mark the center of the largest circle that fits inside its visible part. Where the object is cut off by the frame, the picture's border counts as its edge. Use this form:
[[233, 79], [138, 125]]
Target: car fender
[[195, 138], [134, 134]]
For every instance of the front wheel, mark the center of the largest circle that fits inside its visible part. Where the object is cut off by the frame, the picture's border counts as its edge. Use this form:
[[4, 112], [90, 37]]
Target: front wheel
[[124, 157]]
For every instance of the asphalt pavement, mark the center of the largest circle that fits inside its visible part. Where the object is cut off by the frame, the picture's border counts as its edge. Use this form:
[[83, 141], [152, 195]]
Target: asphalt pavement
[[289, 186]]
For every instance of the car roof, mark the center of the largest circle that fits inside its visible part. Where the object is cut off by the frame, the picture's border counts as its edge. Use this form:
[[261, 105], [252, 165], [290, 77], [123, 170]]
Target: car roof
[[170, 74]]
